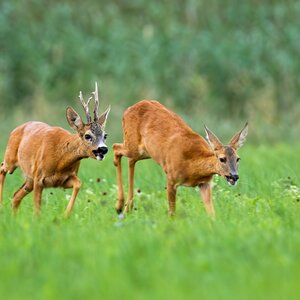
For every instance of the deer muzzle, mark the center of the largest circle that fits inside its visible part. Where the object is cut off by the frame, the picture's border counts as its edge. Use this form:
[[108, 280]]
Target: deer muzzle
[[232, 179], [100, 152]]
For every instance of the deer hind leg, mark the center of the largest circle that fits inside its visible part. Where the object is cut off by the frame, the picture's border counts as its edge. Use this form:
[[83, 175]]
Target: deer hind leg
[[4, 169], [2, 180], [119, 151], [72, 182], [37, 197], [129, 202], [25, 189], [205, 190], [171, 190]]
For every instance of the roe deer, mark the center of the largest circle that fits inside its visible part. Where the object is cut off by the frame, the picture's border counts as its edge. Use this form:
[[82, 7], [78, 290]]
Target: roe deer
[[153, 131], [50, 156]]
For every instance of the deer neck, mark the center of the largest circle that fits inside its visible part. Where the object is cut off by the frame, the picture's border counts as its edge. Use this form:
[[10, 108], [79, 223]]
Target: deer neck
[[208, 166], [74, 150]]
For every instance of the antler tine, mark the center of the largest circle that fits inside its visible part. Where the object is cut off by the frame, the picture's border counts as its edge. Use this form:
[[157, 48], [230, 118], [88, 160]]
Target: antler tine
[[85, 107], [96, 98]]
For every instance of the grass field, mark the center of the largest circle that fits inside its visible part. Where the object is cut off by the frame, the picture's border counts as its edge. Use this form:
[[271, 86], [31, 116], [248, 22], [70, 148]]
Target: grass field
[[251, 250]]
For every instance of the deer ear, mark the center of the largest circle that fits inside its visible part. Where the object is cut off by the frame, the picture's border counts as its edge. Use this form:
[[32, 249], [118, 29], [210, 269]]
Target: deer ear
[[212, 139], [74, 119], [239, 139], [102, 119]]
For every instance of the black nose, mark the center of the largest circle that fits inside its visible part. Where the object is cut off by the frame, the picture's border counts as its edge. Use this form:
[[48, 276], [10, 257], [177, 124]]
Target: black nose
[[103, 150], [235, 177]]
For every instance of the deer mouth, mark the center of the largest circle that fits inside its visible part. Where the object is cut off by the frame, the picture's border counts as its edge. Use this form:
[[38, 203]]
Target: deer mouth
[[98, 154], [232, 180]]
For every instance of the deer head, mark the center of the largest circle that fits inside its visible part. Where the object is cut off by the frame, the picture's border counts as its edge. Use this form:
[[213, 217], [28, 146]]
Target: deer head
[[227, 157], [92, 133]]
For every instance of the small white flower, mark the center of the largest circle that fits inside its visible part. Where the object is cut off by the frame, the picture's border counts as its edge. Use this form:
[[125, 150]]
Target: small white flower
[[90, 192]]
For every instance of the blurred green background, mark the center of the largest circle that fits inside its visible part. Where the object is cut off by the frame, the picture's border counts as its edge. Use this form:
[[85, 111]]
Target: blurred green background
[[214, 62]]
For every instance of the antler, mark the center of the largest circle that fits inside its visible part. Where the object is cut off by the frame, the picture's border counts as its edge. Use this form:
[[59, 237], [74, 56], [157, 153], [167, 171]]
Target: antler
[[96, 98], [86, 107]]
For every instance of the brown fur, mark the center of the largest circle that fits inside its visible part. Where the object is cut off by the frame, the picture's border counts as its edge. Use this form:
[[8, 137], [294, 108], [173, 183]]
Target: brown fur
[[153, 131]]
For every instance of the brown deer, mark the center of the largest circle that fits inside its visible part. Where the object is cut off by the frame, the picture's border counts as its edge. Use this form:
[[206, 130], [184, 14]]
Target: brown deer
[[50, 156], [153, 131]]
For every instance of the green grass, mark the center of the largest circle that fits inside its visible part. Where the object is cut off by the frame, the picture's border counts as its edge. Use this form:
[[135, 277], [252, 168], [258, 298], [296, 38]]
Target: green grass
[[251, 251]]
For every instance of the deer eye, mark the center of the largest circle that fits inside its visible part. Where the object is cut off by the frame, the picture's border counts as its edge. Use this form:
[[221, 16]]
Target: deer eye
[[105, 136], [238, 159], [222, 160], [88, 137]]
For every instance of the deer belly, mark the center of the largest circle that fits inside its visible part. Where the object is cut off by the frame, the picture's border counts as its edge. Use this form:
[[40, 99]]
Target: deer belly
[[55, 181], [195, 181], [190, 183]]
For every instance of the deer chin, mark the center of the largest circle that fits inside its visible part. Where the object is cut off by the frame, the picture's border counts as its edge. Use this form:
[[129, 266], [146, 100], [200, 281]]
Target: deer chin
[[98, 155]]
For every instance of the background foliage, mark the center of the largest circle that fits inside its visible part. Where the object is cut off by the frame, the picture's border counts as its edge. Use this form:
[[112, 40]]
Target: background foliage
[[218, 62]]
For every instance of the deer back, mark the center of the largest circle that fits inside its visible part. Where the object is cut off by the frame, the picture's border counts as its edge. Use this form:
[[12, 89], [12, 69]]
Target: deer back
[[162, 135]]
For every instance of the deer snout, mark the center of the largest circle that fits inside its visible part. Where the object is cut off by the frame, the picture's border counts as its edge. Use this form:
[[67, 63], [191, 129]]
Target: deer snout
[[100, 152], [232, 178], [235, 177], [103, 150]]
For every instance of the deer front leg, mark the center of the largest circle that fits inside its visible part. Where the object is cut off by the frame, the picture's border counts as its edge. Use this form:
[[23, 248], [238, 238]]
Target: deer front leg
[[171, 190], [118, 153], [72, 182], [129, 202], [205, 190]]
